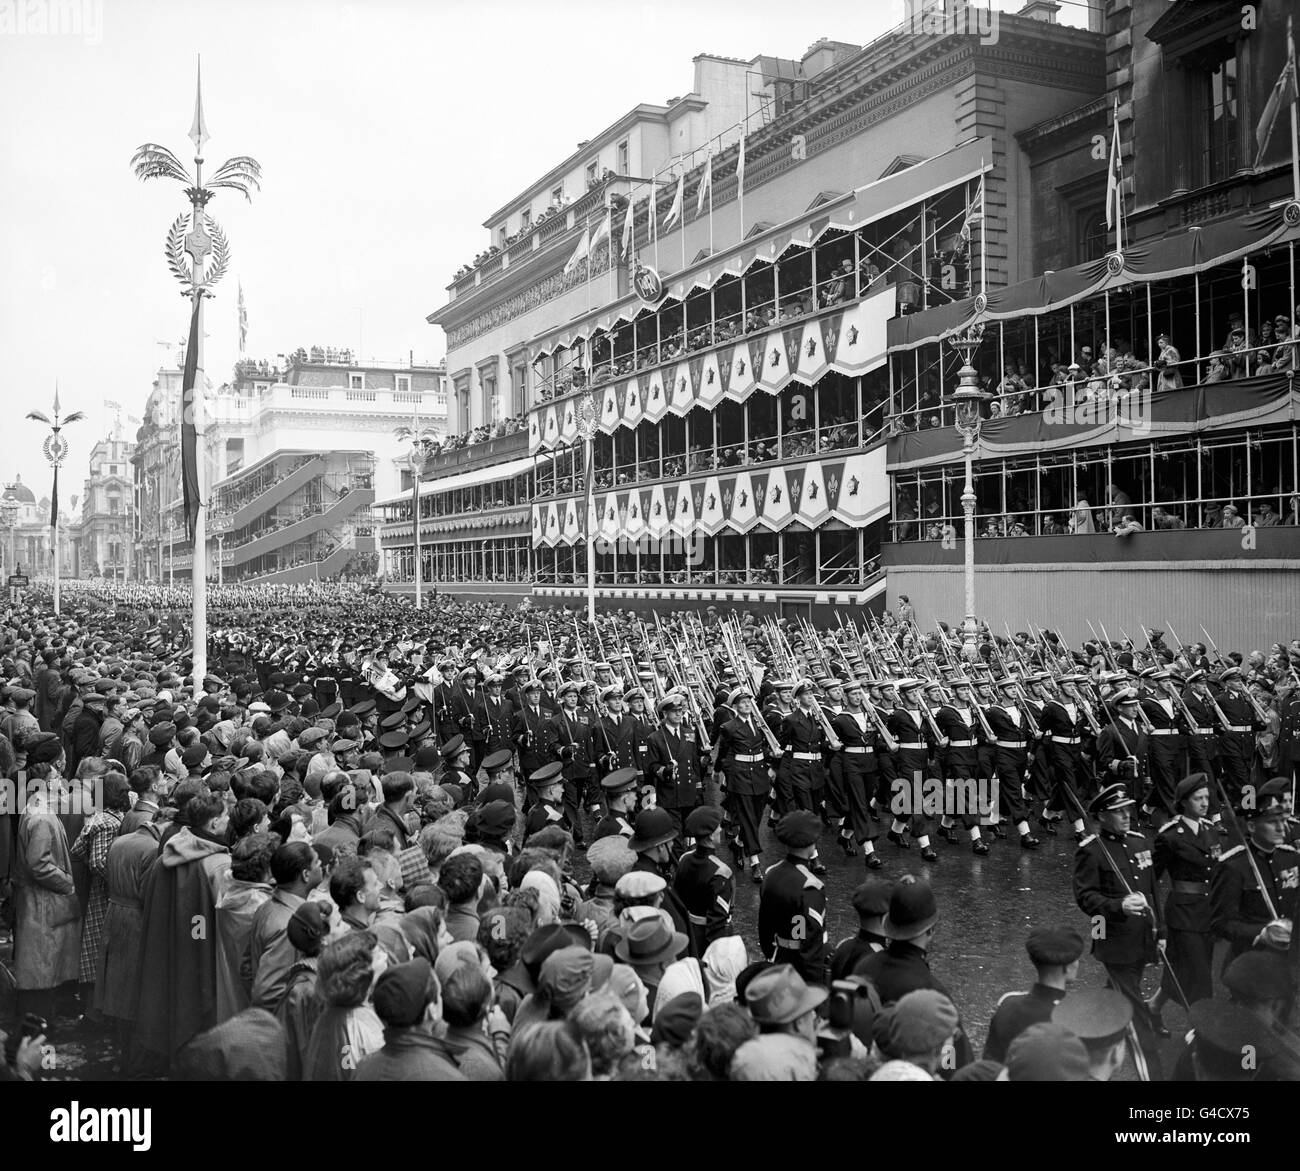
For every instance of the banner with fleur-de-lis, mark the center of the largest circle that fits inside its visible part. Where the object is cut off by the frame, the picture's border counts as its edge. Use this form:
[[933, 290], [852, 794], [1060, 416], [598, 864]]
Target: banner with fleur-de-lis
[[684, 516], [777, 512], [657, 519], [657, 389], [682, 397], [743, 514], [813, 507]]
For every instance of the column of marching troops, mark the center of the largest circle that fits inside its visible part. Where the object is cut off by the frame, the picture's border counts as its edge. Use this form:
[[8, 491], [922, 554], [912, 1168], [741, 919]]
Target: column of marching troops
[[868, 735]]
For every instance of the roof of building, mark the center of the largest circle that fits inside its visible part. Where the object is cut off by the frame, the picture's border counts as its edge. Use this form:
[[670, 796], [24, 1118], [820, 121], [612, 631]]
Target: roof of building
[[20, 492]]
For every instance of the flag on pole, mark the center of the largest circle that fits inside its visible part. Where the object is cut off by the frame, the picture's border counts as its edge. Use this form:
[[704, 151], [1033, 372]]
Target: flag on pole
[[189, 434], [740, 164], [243, 319], [706, 185], [675, 210], [974, 213], [1284, 93], [1114, 186], [626, 242], [583, 248], [602, 232]]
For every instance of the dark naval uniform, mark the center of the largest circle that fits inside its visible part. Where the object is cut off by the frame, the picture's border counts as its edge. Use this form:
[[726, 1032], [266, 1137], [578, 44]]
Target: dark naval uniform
[[613, 825], [960, 759], [1238, 907], [568, 739], [705, 886], [1188, 851], [742, 757], [1237, 744], [1011, 744], [673, 766], [801, 775], [792, 919], [618, 743], [858, 771], [528, 733], [1061, 722], [1165, 745]]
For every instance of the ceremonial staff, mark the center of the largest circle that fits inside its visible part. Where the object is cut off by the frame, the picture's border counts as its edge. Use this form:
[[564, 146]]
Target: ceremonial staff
[[204, 238]]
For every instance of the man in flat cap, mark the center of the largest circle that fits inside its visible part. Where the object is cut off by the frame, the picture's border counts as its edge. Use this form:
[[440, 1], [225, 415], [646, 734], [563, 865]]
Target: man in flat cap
[[408, 999], [792, 902], [1054, 952], [1187, 848], [703, 881], [1115, 886]]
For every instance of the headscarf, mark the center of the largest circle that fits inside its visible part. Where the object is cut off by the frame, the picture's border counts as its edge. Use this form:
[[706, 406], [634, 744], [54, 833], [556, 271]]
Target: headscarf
[[681, 976], [420, 927], [452, 956], [548, 895], [277, 745], [1082, 518], [724, 959], [627, 986]]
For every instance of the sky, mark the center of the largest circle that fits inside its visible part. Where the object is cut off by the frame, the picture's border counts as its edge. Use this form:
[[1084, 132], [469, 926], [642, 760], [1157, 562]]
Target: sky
[[387, 131]]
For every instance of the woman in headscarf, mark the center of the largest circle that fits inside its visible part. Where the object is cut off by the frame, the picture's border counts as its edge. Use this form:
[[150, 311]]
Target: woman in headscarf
[[724, 960], [684, 975], [425, 929], [548, 896]]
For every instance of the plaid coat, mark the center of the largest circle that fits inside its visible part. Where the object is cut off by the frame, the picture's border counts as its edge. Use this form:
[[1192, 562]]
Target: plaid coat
[[91, 847]]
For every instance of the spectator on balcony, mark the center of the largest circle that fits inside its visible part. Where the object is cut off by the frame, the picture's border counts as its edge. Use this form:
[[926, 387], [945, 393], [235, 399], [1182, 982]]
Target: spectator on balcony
[[1238, 343], [1218, 370], [1161, 518], [1127, 525], [1231, 518], [1014, 527], [1167, 363], [1293, 511], [1081, 518], [1264, 516]]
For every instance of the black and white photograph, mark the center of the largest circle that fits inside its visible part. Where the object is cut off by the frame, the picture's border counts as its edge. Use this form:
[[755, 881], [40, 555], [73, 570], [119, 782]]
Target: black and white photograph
[[649, 542]]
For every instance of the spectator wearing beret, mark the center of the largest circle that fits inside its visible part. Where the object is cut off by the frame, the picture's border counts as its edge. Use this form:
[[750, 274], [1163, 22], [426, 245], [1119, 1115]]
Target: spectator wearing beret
[[1054, 952], [792, 902], [704, 882], [408, 999], [871, 902]]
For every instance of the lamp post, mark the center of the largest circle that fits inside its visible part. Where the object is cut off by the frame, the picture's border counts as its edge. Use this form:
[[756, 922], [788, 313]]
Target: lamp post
[[55, 449], [587, 416], [205, 237], [967, 399], [421, 448], [9, 514]]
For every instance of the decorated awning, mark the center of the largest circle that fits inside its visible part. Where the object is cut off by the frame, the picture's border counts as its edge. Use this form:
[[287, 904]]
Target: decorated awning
[[851, 489], [1245, 402], [1173, 256], [846, 213], [850, 341], [483, 475]]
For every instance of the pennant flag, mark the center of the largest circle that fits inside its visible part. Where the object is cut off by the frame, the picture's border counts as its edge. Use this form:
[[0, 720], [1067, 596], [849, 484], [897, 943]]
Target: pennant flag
[[189, 435], [626, 243], [54, 502], [675, 210], [974, 213], [1284, 93], [1114, 177], [583, 248], [602, 232], [243, 319], [706, 185], [740, 164]]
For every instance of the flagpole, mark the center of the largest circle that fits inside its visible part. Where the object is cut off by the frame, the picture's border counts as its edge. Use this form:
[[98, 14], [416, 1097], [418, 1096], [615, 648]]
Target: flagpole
[[681, 215], [710, 204], [740, 193], [654, 216], [1295, 97], [984, 227]]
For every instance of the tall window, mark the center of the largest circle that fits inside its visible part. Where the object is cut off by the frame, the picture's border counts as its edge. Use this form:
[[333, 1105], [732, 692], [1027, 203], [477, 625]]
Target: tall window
[[519, 388], [1219, 121], [622, 158], [1094, 236], [557, 196], [525, 219], [592, 173]]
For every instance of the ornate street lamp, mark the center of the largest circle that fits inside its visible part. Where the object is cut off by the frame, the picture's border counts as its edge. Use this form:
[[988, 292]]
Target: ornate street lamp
[[421, 450], [204, 238], [587, 416], [9, 515], [967, 400], [55, 449]]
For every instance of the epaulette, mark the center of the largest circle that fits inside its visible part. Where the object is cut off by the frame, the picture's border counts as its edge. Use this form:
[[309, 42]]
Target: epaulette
[[721, 867], [772, 867], [1007, 996], [810, 879], [1229, 853], [1134, 834], [1088, 839], [1167, 825], [1287, 846]]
